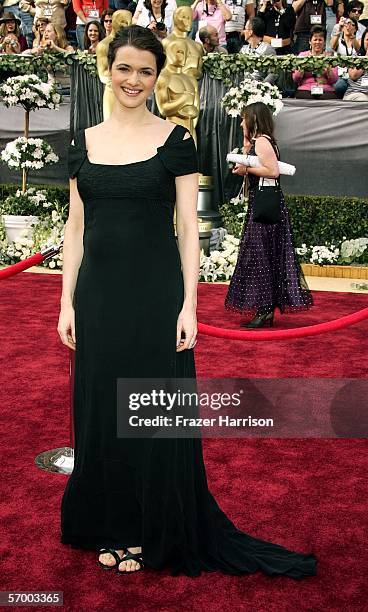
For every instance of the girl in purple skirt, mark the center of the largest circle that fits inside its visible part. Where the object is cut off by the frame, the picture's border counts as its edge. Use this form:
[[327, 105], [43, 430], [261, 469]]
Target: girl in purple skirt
[[267, 274]]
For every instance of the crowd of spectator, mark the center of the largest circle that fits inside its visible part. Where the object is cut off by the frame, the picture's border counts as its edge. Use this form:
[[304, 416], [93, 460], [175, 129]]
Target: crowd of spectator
[[253, 27]]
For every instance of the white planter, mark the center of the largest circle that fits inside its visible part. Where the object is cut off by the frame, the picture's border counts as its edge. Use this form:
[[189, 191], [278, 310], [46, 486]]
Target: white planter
[[15, 224]]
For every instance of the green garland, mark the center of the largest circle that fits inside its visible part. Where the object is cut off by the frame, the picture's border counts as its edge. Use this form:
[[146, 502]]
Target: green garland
[[49, 61], [217, 65], [225, 67]]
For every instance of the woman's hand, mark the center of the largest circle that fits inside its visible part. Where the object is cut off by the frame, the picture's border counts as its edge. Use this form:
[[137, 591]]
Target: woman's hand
[[341, 23], [186, 325], [66, 326], [240, 170]]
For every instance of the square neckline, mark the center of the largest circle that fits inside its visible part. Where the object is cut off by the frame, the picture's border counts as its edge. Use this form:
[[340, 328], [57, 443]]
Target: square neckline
[[141, 161]]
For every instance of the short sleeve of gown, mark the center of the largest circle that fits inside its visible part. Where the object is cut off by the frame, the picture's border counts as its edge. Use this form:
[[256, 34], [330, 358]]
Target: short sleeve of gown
[[179, 155], [77, 153]]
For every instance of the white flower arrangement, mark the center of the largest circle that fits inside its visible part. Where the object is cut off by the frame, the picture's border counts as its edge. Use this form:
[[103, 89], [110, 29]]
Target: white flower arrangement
[[324, 255], [248, 92], [220, 264], [31, 202], [47, 232], [30, 92], [28, 154], [351, 250]]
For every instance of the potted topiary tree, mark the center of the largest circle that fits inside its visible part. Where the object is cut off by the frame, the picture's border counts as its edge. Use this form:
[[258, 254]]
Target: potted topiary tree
[[26, 153]]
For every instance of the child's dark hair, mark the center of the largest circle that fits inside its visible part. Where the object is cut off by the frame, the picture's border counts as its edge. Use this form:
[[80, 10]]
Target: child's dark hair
[[139, 38], [259, 120]]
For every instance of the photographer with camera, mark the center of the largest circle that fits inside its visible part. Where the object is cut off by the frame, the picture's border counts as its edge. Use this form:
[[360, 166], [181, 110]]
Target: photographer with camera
[[279, 19], [344, 41], [308, 13], [156, 16]]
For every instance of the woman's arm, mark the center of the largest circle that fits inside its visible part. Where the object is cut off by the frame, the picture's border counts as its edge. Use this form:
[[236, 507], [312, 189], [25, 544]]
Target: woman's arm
[[269, 166], [188, 242], [297, 5], [136, 15], [72, 257], [335, 41], [225, 12]]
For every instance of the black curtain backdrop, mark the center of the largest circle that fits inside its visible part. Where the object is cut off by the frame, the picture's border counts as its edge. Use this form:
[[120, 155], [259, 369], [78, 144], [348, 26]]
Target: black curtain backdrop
[[326, 140], [86, 93]]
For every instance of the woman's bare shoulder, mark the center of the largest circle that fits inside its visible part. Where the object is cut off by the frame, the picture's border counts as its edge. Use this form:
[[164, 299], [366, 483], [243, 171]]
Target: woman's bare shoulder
[[95, 131]]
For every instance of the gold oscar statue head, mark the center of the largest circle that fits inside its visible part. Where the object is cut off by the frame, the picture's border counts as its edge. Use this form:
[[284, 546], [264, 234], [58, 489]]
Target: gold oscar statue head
[[183, 19], [120, 19]]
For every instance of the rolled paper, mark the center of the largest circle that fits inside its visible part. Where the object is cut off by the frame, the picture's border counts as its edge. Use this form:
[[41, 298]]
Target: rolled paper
[[253, 162]]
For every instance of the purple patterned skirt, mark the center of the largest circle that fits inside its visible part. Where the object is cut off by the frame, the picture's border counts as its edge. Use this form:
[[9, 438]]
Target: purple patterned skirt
[[267, 273]]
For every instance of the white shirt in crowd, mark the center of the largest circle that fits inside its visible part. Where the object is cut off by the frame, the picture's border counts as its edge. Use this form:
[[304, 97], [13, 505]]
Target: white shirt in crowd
[[239, 15], [145, 18]]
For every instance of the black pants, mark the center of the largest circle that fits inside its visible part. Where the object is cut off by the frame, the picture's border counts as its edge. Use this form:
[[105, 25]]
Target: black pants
[[301, 42], [233, 42]]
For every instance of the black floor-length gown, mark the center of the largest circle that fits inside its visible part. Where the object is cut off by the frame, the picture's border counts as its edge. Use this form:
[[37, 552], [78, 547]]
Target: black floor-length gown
[[149, 492]]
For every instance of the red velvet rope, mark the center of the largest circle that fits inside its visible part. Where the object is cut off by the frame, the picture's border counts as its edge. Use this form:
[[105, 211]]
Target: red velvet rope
[[34, 260], [285, 334], [218, 332]]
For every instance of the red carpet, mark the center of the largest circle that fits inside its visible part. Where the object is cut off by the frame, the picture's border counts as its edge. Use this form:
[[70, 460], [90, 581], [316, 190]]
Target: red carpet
[[304, 494]]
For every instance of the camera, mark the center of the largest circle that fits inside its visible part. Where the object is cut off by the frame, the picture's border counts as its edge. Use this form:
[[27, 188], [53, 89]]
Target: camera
[[160, 26]]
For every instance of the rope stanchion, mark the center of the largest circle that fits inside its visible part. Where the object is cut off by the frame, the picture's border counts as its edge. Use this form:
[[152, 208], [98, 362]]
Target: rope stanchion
[[34, 260], [285, 334]]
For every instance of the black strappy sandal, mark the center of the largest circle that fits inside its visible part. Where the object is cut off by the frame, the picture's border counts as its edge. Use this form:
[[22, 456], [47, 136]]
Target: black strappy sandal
[[112, 552], [135, 557]]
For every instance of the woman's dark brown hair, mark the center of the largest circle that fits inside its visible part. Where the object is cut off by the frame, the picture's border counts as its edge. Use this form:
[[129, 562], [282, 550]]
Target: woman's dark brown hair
[[101, 33], [148, 5], [258, 119], [139, 38]]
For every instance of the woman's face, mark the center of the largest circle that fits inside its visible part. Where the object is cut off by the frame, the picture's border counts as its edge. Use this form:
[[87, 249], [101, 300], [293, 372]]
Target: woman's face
[[50, 33], [317, 44], [40, 27], [10, 27], [365, 44], [349, 28], [133, 76], [93, 33], [156, 4], [108, 24]]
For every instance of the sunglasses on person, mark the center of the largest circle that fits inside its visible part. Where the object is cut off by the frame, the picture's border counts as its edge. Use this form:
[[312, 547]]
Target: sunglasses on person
[[357, 11], [107, 20]]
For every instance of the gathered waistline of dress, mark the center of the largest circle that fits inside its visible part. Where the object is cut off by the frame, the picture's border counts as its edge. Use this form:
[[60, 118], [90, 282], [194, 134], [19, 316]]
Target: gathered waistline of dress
[[130, 198]]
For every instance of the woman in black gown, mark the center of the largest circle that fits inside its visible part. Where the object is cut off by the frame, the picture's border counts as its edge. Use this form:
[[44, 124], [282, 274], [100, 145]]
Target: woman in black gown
[[129, 295]]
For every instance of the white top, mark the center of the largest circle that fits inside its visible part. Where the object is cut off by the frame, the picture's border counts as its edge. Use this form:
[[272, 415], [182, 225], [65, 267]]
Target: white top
[[146, 17], [239, 15], [343, 50], [171, 6]]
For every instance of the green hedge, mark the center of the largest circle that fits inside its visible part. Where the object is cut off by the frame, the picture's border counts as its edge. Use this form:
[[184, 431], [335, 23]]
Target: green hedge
[[315, 219], [319, 219]]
